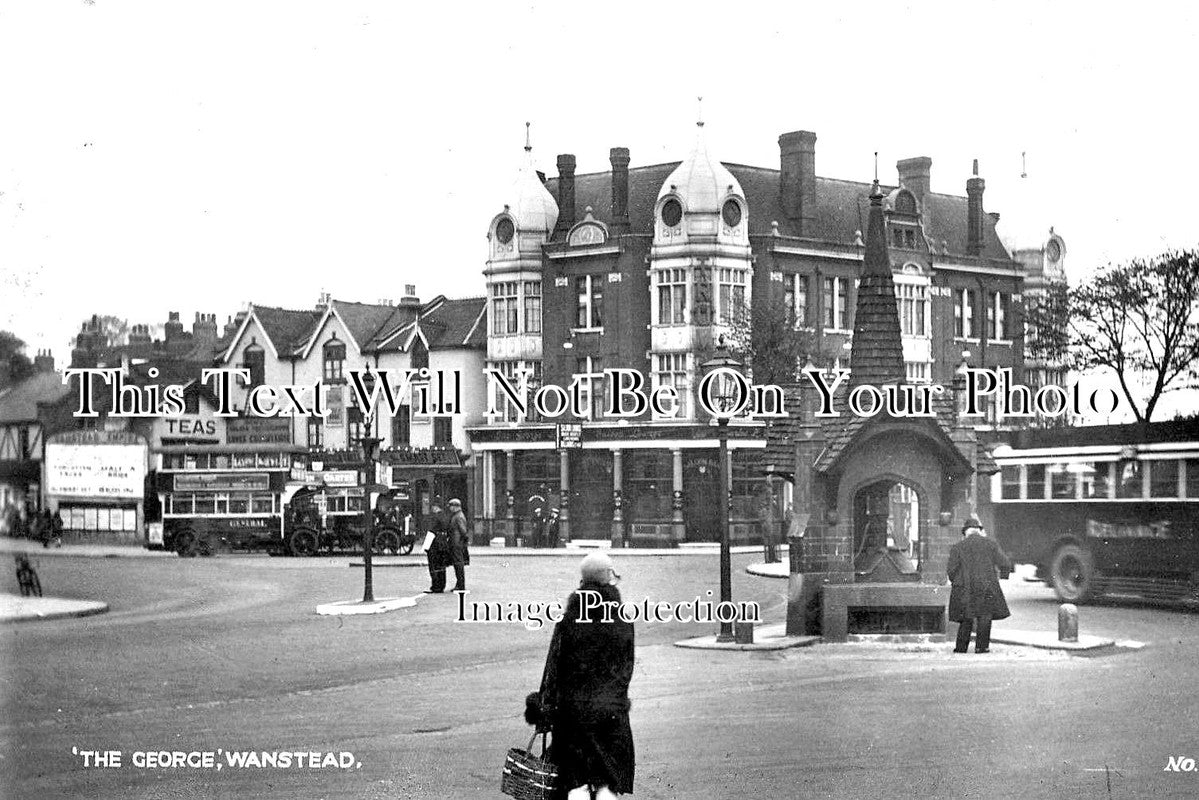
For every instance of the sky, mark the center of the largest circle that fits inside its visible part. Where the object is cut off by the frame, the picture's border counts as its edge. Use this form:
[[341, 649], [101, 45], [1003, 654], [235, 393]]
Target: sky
[[164, 156]]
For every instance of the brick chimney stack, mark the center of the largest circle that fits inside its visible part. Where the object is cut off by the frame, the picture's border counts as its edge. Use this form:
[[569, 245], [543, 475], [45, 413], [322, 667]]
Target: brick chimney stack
[[619, 158], [797, 184], [174, 328], [974, 213], [204, 328], [43, 361], [566, 191], [914, 175]]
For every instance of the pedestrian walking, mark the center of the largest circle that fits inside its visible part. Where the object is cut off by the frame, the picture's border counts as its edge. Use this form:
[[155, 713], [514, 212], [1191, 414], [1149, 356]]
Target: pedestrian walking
[[584, 695], [438, 553], [56, 526], [975, 566], [459, 544]]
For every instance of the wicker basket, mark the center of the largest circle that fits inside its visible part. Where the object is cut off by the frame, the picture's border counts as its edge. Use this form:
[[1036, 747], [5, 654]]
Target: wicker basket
[[526, 776]]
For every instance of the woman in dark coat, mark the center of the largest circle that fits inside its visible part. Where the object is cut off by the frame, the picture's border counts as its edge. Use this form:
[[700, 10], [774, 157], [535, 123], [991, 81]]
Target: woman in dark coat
[[974, 567], [585, 691]]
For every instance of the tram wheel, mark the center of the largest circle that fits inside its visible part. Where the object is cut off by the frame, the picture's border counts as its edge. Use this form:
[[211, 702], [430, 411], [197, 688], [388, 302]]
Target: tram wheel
[[1073, 574], [185, 545], [303, 543]]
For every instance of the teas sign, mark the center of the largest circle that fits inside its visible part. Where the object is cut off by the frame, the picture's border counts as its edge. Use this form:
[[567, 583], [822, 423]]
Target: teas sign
[[103, 469]]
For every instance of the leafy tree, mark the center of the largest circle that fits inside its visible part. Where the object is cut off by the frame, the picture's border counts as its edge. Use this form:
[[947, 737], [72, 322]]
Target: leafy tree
[[1140, 320], [15, 366], [769, 340]]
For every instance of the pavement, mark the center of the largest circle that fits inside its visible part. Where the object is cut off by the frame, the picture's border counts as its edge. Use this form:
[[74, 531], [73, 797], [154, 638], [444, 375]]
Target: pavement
[[14, 608], [767, 637]]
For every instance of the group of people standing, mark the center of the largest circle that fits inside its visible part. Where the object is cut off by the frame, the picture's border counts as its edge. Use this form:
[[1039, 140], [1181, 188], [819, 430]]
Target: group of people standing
[[42, 526], [449, 545]]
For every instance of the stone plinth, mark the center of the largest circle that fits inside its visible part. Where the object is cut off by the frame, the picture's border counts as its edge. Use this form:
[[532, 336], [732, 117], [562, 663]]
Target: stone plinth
[[838, 599]]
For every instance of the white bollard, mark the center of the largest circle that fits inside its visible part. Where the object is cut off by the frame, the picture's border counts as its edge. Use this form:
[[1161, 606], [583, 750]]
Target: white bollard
[[1067, 622]]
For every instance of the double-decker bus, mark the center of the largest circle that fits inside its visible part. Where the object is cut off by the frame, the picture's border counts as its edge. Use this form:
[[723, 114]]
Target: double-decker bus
[[1110, 509], [224, 496]]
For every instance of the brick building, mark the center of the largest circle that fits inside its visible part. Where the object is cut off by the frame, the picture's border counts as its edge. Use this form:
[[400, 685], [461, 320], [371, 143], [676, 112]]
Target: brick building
[[645, 267]]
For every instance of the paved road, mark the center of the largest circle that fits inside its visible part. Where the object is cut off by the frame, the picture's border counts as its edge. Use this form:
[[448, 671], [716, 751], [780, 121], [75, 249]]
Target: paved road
[[227, 653]]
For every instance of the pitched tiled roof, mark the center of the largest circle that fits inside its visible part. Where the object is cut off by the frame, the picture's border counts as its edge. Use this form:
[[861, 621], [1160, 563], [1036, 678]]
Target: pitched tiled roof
[[456, 323], [841, 207], [366, 321], [287, 328], [18, 403]]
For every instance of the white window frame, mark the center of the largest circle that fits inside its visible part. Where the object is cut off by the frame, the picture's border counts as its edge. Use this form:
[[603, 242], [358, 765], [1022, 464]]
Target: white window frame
[[673, 281], [672, 369]]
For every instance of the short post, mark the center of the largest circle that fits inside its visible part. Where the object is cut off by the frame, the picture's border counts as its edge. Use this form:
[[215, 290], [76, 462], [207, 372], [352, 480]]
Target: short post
[[1067, 622]]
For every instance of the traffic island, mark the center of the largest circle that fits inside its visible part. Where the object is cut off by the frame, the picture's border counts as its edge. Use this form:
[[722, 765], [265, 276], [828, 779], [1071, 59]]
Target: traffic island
[[768, 637], [14, 608], [1047, 640], [345, 608]]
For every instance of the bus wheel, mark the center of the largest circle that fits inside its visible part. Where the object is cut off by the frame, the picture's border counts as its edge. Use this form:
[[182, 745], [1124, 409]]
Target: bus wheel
[[303, 543], [387, 542], [204, 547], [1073, 574], [185, 545]]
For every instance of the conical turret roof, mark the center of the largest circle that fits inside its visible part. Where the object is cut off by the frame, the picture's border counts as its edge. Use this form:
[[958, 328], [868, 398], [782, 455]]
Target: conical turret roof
[[877, 354]]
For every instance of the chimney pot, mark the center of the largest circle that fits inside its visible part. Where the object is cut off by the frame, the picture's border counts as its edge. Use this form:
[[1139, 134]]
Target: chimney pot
[[974, 213]]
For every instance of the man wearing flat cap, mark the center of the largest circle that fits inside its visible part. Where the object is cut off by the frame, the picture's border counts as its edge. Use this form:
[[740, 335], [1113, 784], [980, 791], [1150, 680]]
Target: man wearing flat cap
[[459, 544], [974, 568]]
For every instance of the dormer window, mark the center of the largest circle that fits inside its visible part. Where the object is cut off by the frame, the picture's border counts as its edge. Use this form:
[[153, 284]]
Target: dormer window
[[905, 203], [334, 353]]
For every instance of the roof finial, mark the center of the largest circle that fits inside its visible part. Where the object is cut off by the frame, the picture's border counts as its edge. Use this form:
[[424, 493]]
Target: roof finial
[[876, 166], [1023, 164], [528, 143], [976, 167], [699, 121]]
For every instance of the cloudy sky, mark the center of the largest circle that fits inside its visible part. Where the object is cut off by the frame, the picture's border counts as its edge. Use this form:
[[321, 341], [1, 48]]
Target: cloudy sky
[[159, 156]]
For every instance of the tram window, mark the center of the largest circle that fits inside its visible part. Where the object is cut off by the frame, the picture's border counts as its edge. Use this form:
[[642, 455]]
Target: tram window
[[1062, 481], [1010, 489], [243, 460], [1131, 484], [1098, 488], [205, 504], [261, 503], [220, 461], [1163, 479], [1192, 487], [1036, 481], [270, 460], [221, 504], [181, 504], [239, 503], [172, 461], [189, 461]]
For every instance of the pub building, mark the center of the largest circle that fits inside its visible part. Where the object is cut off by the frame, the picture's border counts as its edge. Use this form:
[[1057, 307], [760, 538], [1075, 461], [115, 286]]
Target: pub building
[[647, 267], [425, 451], [22, 441]]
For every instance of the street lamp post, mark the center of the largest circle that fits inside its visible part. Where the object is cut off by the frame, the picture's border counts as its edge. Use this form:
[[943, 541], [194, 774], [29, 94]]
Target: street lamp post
[[724, 396], [370, 455]]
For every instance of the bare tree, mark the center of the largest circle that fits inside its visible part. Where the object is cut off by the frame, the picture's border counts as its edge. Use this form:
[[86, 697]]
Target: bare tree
[[770, 341], [1140, 320]]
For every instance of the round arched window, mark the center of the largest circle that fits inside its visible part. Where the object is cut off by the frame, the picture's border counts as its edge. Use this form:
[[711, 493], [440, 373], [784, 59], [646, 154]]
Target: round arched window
[[505, 230], [672, 212], [731, 213], [1054, 250]]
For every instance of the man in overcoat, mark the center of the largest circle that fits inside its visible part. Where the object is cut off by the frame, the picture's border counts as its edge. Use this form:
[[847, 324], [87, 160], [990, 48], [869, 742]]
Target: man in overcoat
[[438, 552], [459, 544], [975, 564]]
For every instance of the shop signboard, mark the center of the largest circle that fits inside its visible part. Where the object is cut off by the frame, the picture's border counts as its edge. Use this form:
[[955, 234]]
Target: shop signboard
[[222, 482], [570, 435], [258, 430], [96, 464]]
